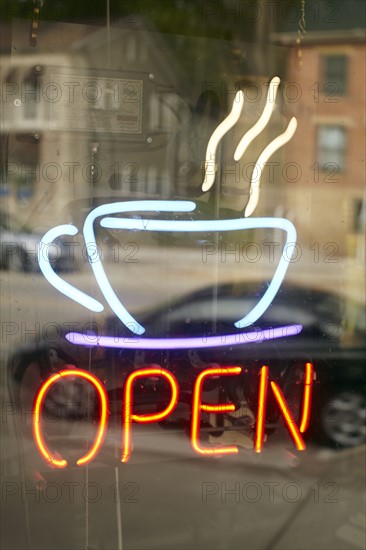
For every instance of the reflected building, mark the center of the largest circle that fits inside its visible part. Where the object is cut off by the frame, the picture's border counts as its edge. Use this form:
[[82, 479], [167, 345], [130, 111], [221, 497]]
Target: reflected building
[[326, 159], [85, 122]]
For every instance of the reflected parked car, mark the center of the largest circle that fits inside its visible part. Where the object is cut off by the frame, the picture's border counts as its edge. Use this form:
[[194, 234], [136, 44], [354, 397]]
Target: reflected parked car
[[19, 248], [331, 335]]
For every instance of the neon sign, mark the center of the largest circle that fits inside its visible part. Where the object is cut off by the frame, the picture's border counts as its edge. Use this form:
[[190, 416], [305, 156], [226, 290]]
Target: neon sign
[[239, 338], [155, 371], [107, 213]]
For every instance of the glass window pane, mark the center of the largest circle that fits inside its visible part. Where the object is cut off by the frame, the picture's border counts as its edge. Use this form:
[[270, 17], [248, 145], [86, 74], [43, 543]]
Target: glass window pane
[[182, 267]]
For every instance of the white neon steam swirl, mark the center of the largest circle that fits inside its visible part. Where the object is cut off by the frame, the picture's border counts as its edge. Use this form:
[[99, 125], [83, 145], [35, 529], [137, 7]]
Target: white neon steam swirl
[[218, 134], [271, 148], [262, 122], [246, 140]]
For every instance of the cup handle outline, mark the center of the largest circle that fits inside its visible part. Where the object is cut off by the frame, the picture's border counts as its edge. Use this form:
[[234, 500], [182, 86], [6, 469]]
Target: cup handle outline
[[62, 286]]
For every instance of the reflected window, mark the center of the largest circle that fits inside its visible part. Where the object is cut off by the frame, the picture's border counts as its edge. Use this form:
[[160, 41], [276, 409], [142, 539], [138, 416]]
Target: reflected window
[[31, 100], [335, 74], [359, 217], [331, 142]]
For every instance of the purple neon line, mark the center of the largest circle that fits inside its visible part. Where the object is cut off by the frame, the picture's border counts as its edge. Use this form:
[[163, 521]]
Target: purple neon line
[[89, 340]]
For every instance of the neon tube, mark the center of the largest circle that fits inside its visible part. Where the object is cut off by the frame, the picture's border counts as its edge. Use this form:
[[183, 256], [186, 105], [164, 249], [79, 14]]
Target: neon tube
[[238, 339], [306, 404], [95, 261], [261, 412], [278, 142], [194, 226], [217, 225], [65, 288], [97, 266], [262, 122], [217, 135], [69, 371], [228, 407], [289, 420], [197, 407], [127, 412]]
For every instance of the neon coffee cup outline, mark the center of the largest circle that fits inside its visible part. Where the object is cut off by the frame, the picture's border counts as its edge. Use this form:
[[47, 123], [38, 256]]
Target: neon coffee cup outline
[[156, 225]]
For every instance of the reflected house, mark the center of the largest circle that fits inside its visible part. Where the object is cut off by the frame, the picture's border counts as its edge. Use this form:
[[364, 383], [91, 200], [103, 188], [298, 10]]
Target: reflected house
[[114, 116], [32, 177], [326, 158], [92, 120], [127, 113]]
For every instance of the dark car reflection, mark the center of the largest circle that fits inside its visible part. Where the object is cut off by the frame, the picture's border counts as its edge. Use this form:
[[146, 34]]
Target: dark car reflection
[[332, 338]]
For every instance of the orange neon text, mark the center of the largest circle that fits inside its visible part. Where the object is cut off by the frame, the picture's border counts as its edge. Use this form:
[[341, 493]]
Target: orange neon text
[[67, 372], [129, 414], [294, 431], [197, 407]]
